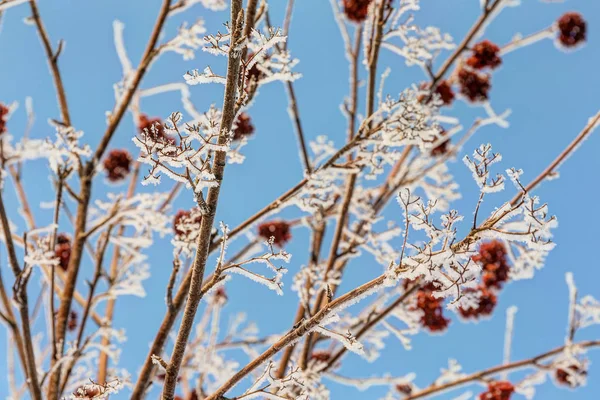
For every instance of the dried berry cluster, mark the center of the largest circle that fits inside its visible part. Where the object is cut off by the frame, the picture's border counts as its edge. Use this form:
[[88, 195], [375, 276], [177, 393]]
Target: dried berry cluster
[[492, 257], [184, 221], [3, 114], [117, 165], [485, 55], [356, 10], [433, 309], [572, 29], [278, 230], [566, 376], [243, 127], [487, 303], [62, 250], [500, 390], [154, 128], [474, 86]]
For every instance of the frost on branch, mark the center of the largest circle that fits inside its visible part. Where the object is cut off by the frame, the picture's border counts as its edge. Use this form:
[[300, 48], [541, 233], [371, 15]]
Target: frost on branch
[[97, 391], [418, 46], [183, 153], [262, 65], [483, 159], [188, 40], [267, 259], [64, 151]]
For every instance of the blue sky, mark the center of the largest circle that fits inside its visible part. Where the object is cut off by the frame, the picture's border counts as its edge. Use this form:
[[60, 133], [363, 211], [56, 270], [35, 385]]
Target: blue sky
[[551, 93]]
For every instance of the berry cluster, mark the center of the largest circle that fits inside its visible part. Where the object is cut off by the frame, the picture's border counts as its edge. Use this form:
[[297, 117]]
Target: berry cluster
[[499, 390], [185, 221], [154, 129], [572, 29], [492, 258], [278, 230], [356, 10], [474, 85], [485, 55], [243, 127], [117, 165], [566, 376], [433, 309]]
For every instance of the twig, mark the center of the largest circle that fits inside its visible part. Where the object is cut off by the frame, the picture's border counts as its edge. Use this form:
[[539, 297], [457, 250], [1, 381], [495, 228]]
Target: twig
[[52, 62], [593, 122], [530, 362]]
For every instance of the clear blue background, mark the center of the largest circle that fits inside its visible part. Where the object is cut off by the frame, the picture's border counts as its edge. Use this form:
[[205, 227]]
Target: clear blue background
[[551, 94]]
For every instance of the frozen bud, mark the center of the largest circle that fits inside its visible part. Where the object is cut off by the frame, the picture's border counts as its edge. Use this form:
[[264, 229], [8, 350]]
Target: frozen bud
[[356, 10], [569, 376], [473, 85], [404, 388], [187, 222], [485, 55], [500, 390], [243, 127], [572, 29], [492, 258], [321, 356], [72, 321], [278, 230], [62, 250], [3, 116], [117, 165], [485, 306]]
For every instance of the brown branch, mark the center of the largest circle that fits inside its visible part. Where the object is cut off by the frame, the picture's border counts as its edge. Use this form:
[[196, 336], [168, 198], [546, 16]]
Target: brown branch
[[114, 269], [593, 122], [373, 322], [317, 244], [52, 57], [88, 306], [293, 103], [530, 362], [195, 294]]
